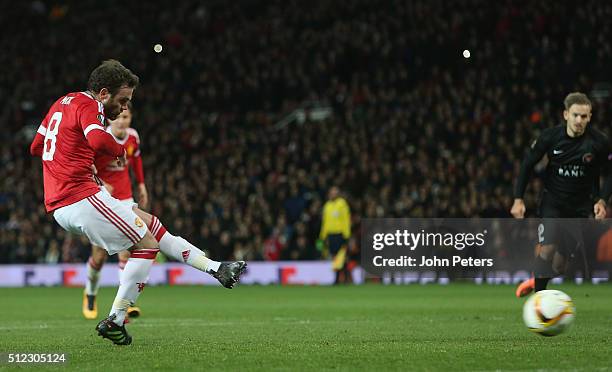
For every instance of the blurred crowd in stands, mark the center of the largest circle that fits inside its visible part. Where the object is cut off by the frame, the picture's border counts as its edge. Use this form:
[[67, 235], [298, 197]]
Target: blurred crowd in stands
[[417, 130]]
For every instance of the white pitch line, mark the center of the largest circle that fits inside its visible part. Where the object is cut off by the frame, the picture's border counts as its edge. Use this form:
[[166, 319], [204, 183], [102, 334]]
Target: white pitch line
[[152, 322]]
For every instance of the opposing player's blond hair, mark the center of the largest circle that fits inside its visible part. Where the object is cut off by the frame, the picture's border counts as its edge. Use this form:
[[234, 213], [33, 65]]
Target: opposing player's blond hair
[[576, 98]]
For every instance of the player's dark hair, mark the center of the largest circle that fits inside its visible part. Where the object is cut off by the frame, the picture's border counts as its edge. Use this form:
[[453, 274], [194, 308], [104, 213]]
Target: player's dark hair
[[112, 75], [576, 98]]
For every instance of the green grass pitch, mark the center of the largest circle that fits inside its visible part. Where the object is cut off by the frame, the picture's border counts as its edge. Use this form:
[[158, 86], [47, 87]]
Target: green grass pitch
[[371, 327]]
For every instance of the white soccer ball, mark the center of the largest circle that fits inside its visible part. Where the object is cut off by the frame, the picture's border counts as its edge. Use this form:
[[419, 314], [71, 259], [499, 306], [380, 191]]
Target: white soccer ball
[[549, 312]]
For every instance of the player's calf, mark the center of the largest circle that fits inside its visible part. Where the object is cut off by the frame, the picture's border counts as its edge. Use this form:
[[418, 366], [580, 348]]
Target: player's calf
[[134, 277], [181, 250], [94, 266], [132, 311], [543, 267]]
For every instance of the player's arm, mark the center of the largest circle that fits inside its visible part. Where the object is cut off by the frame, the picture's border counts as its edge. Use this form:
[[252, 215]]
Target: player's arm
[[533, 155], [605, 192], [136, 165], [102, 142], [91, 117], [324, 222], [38, 143], [346, 221], [137, 168]]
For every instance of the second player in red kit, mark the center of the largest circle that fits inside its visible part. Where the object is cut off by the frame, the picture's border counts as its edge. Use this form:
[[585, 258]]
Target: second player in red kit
[[116, 177]]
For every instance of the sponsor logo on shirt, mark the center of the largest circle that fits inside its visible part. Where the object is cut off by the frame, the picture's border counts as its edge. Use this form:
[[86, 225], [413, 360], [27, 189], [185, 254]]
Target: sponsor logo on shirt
[[573, 171]]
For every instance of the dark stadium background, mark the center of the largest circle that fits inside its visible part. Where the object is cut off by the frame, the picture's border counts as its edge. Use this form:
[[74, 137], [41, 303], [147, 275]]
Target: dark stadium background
[[414, 129]]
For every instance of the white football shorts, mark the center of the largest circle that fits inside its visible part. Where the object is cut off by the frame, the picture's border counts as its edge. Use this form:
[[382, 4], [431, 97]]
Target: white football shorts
[[106, 221]]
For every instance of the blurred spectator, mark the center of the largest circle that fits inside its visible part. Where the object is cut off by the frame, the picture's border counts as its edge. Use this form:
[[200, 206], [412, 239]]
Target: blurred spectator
[[53, 253], [335, 231]]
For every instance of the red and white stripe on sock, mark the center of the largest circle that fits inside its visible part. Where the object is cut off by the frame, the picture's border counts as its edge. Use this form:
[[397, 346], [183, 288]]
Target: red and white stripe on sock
[[147, 254], [156, 228]]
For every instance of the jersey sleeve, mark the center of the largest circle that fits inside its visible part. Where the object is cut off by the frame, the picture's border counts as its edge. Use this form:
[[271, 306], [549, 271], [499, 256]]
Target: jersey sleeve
[[137, 138], [136, 160], [136, 165], [324, 222], [346, 219], [606, 172], [533, 155], [91, 119], [38, 143]]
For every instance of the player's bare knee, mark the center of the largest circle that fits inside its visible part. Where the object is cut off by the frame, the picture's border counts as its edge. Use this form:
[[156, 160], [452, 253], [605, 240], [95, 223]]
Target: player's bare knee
[[559, 264], [559, 268], [146, 217], [148, 242], [98, 255], [124, 255]]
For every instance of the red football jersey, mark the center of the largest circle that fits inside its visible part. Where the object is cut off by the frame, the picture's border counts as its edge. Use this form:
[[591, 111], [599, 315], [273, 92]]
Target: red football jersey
[[119, 176], [66, 154]]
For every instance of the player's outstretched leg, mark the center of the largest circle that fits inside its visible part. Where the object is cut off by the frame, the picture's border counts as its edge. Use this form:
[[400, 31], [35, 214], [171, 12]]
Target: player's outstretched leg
[[179, 249], [94, 265], [545, 268]]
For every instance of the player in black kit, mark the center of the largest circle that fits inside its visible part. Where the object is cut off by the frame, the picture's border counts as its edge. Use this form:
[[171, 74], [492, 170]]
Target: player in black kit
[[577, 154]]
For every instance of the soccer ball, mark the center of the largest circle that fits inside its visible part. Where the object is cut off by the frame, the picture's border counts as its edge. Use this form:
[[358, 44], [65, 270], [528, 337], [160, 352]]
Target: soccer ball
[[549, 312]]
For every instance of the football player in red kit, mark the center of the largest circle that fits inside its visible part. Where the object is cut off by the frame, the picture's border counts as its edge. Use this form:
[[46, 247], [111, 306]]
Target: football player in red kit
[[69, 137]]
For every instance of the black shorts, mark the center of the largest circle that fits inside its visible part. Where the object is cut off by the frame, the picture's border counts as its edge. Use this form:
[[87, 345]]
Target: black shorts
[[334, 243], [563, 223]]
